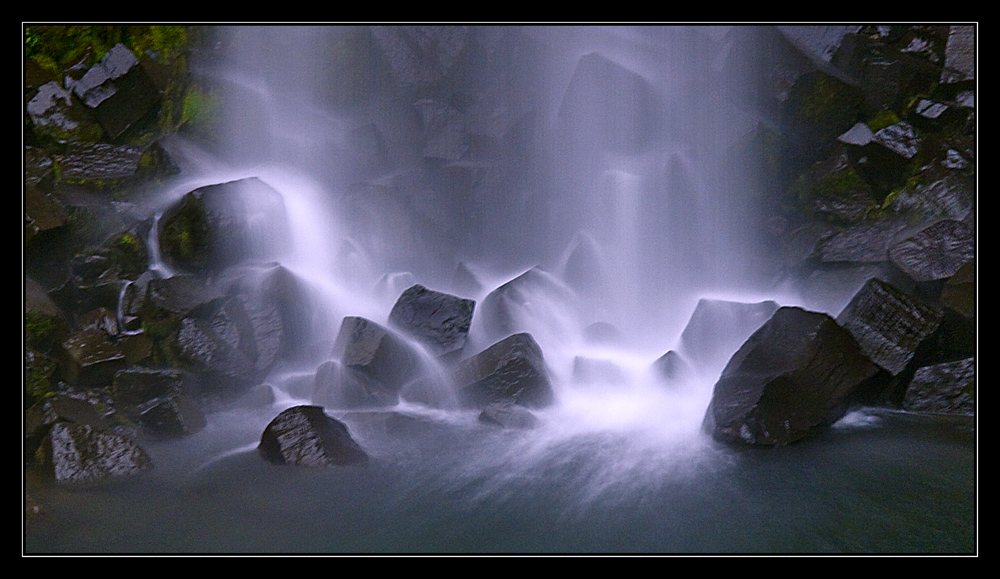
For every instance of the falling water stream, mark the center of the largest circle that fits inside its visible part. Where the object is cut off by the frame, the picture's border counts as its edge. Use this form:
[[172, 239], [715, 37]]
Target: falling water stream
[[618, 464]]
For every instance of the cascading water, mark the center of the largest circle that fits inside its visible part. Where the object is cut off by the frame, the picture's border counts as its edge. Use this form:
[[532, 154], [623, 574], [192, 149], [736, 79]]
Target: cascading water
[[613, 194]]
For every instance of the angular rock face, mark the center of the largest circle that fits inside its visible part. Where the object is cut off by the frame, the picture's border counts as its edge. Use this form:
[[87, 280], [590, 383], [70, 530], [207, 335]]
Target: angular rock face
[[786, 379], [888, 324], [306, 436], [79, 453], [438, 320], [90, 358], [947, 388], [936, 252], [512, 369]]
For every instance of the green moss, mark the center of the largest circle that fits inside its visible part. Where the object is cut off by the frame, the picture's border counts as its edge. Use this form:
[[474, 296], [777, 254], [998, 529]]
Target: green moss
[[55, 47], [884, 119], [128, 253]]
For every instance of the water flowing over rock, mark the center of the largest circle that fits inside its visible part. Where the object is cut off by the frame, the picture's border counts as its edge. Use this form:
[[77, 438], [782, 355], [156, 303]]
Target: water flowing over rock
[[437, 320], [888, 324], [222, 225], [512, 369], [534, 297], [306, 436], [787, 379], [383, 360]]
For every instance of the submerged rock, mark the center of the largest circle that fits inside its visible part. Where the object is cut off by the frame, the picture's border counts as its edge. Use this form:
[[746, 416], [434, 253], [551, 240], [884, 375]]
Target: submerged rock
[[306, 436], [507, 414], [787, 379]]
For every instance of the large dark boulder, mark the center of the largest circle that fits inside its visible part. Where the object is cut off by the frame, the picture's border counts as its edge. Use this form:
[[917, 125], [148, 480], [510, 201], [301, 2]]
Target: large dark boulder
[[512, 369], [437, 320], [791, 375], [306, 436], [889, 324], [225, 224], [91, 358], [157, 400]]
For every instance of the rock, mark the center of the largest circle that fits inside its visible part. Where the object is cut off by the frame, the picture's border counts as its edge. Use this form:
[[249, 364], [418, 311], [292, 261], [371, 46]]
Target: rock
[[118, 91], [606, 105], [80, 453], [867, 242], [717, 328], [511, 369], [437, 320], [57, 117], [786, 379], [421, 55], [338, 386], [444, 131], [506, 414], [65, 407], [236, 342], [96, 162], [960, 55], [935, 252], [171, 416], [888, 324], [959, 292], [221, 225], [42, 212], [672, 367], [383, 360], [91, 359], [900, 138], [947, 388], [818, 109], [306, 436]]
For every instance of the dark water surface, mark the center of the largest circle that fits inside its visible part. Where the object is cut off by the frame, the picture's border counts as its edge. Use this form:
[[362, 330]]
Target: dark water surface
[[878, 482]]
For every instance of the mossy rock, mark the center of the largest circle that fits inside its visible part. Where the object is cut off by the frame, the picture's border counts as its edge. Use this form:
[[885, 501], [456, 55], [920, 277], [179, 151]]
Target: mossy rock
[[818, 109]]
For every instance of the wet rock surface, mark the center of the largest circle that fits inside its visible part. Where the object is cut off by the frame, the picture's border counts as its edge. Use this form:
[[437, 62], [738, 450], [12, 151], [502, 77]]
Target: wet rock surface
[[307, 436]]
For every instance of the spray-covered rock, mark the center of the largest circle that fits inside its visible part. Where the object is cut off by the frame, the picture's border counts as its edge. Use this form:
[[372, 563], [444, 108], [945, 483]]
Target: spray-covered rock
[[381, 361], [717, 328], [787, 379]]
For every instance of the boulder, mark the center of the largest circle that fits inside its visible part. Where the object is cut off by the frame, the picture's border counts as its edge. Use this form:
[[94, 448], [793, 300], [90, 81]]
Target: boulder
[[157, 401], [608, 106], [672, 367], [888, 324], [947, 388], [788, 378], [306, 436], [435, 319], [512, 369], [80, 453], [420, 56], [56, 116]]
